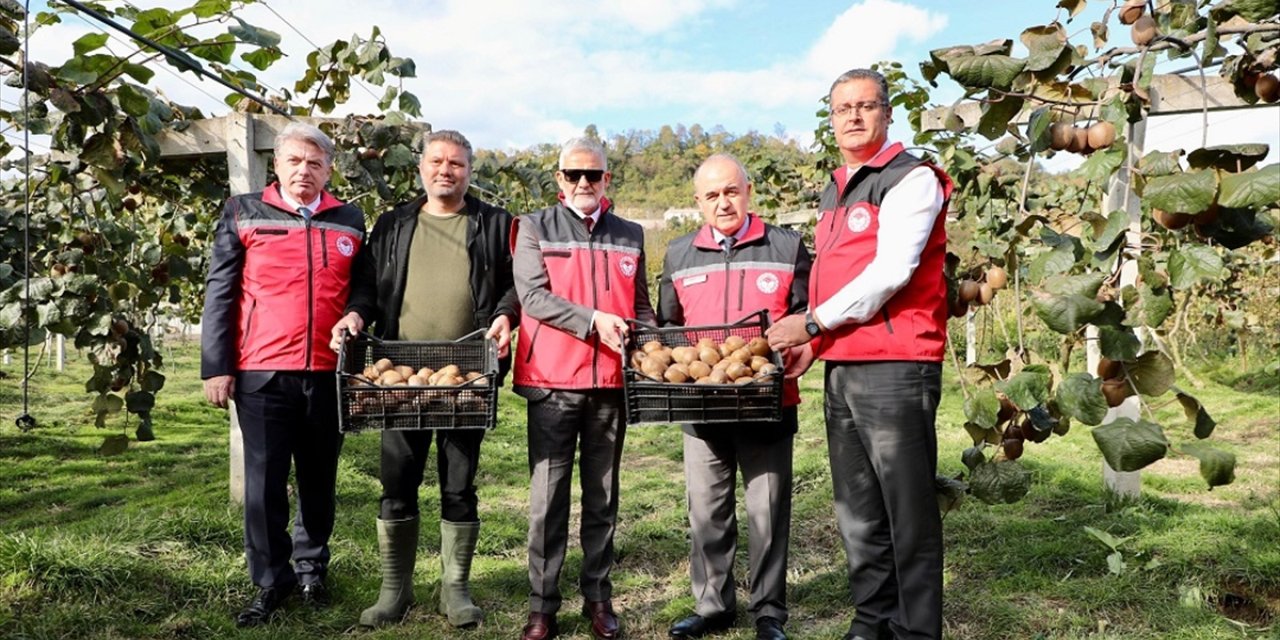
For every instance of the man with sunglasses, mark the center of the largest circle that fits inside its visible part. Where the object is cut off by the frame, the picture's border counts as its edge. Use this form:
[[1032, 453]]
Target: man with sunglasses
[[436, 268], [733, 266], [878, 317], [580, 273]]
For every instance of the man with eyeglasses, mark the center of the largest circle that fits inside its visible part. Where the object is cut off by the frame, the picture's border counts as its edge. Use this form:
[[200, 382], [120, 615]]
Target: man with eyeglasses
[[579, 272], [878, 317]]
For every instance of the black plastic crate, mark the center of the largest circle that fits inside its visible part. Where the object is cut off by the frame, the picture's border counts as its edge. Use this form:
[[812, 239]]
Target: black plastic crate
[[474, 405], [651, 401]]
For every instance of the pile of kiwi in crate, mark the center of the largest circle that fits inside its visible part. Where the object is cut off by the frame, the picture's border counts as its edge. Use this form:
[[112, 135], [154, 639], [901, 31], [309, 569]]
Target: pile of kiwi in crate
[[385, 373], [734, 361]]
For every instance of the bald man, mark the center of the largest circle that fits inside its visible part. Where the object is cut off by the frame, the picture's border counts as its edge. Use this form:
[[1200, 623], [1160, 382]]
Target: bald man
[[735, 265]]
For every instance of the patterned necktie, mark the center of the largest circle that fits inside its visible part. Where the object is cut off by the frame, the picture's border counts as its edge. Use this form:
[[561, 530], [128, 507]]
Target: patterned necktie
[[589, 223], [306, 213], [728, 243]]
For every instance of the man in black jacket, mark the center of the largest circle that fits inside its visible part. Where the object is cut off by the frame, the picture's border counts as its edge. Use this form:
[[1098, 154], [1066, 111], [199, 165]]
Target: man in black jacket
[[436, 268]]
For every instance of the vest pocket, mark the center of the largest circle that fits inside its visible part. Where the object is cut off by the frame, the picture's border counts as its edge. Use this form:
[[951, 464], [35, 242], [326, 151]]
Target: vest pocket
[[248, 324], [884, 311], [532, 340]]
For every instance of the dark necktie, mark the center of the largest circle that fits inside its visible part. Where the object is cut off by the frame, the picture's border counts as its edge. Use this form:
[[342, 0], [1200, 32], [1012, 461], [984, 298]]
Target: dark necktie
[[728, 243], [588, 222], [306, 213]]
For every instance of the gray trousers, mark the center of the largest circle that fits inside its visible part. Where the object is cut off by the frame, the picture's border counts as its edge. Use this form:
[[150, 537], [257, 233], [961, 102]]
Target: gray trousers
[[592, 423], [710, 469], [884, 458]]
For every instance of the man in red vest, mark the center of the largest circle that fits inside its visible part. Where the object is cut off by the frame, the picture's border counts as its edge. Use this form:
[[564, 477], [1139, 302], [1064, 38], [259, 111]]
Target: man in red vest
[[733, 266], [278, 280], [579, 273], [878, 317]]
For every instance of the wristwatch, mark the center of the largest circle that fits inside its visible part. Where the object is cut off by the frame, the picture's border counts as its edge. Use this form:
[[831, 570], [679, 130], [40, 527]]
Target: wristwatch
[[811, 326]]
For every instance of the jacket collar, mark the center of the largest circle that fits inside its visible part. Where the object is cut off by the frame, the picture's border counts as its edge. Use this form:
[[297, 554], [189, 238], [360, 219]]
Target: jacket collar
[[271, 195], [707, 240], [605, 206], [888, 152]]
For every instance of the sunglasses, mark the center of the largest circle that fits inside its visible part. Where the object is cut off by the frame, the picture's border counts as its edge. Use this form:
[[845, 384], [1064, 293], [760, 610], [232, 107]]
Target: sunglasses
[[575, 175]]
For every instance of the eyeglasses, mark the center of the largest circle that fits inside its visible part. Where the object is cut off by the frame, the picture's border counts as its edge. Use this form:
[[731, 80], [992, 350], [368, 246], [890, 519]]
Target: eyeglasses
[[846, 110], [575, 175]]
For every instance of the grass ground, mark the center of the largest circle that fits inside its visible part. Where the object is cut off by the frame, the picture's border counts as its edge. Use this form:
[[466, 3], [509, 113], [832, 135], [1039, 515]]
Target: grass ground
[[147, 545]]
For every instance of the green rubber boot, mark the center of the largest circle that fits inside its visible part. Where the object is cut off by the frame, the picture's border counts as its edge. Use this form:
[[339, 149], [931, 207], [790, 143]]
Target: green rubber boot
[[457, 547], [398, 547]]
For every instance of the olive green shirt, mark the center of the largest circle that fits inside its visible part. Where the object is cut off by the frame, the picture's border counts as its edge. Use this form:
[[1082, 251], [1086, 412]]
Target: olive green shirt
[[437, 295]]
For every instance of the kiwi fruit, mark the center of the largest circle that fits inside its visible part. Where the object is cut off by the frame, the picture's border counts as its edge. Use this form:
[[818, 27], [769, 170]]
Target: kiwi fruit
[[1171, 220], [1132, 10], [969, 291], [677, 373], [1109, 369], [1267, 88], [1144, 30], [1061, 134], [997, 277], [651, 346], [699, 369], [985, 293], [1101, 135], [759, 346], [1115, 391]]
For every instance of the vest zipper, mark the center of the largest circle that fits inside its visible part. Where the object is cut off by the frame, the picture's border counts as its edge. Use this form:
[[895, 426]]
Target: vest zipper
[[728, 287], [324, 247], [532, 341], [310, 295], [595, 304], [884, 311], [248, 324], [606, 270], [742, 282]]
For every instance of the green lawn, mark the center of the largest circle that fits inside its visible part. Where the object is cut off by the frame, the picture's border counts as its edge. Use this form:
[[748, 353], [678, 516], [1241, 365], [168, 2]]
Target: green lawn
[[147, 545]]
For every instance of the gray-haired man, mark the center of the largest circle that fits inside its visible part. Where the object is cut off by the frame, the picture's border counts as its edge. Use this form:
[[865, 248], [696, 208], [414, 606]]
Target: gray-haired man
[[278, 280]]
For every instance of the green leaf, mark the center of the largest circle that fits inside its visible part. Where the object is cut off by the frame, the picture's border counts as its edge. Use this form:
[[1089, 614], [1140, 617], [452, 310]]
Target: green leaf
[[89, 42], [1196, 413], [1080, 396], [997, 115], [262, 58], [1188, 192], [1228, 157], [950, 493], [1120, 345], [398, 156], [985, 72], [152, 381], [132, 101], [1060, 259], [1191, 264], [1116, 226], [1145, 305], [101, 150], [1259, 188], [84, 69], [1073, 7], [1086, 285], [1113, 543], [1065, 314], [138, 72], [254, 35], [219, 48], [108, 403], [1029, 388], [1000, 482], [982, 407], [114, 445], [1217, 467], [1151, 374], [1099, 166], [1161, 163], [137, 401], [409, 104], [210, 8], [1129, 446], [1038, 125], [1236, 228], [1251, 10], [972, 457]]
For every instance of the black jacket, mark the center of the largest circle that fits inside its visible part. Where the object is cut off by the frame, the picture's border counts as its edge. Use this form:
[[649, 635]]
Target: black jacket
[[378, 279]]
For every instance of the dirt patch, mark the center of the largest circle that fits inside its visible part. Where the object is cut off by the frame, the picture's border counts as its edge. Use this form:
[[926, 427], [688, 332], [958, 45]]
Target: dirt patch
[[1251, 605]]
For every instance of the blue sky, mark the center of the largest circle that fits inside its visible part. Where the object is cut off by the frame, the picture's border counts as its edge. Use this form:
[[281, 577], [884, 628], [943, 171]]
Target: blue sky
[[510, 74]]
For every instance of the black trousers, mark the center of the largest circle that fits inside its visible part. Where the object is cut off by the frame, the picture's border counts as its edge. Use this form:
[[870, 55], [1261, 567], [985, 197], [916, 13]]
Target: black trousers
[[404, 457], [884, 458], [288, 417]]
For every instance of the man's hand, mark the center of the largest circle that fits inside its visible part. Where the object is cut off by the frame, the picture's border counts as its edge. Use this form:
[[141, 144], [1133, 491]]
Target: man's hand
[[612, 330], [219, 389], [797, 360], [352, 322], [787, 332], [500, 331]]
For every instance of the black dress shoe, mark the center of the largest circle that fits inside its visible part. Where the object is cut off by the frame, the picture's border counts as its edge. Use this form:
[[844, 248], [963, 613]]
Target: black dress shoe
[[768, 628], [262, 606], [696, 626], [316, 595]]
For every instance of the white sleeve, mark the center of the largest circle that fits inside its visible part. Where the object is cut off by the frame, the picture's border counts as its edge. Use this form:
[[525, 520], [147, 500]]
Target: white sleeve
[[907, 215]]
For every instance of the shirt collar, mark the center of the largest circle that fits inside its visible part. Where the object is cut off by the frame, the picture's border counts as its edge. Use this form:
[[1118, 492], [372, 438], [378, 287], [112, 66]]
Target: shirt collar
[[295, 205], [737, 235], [595, 217]]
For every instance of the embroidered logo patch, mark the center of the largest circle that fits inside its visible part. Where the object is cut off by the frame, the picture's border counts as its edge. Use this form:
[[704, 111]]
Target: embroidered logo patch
[[859, 218], [345, 246], [767, 283], [692, 280], [627, 264]]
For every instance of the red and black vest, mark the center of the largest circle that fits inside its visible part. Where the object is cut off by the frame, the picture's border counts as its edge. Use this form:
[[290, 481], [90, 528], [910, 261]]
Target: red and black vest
[[702, 284], [912, 325], [599, 270]]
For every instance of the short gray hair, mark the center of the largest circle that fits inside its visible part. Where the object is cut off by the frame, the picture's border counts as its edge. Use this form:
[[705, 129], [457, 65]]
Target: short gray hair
[[722, 157], [306, 133], [452, 137], [863, 74], [584, 144]]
